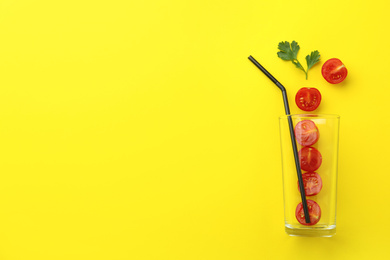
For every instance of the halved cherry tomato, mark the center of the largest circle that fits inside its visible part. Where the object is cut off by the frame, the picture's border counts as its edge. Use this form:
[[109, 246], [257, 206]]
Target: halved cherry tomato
[[314, 213], [312, 183], [334, 71], [310, 158], [306, 133], [308, 99]]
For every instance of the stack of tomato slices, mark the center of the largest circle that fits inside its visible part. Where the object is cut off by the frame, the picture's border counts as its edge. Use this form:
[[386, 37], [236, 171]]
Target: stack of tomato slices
[[307, 134]]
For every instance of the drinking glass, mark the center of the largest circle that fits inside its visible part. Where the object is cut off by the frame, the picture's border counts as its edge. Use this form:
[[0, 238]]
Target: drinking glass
[[327, 128]]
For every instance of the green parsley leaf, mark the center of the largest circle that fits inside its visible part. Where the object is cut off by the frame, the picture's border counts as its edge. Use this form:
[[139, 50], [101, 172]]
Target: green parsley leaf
[[312, 59], [295, 48], [286, 52], [290, 52]]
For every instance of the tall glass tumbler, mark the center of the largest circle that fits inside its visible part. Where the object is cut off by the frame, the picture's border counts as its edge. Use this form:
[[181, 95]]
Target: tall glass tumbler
[[317, 139]]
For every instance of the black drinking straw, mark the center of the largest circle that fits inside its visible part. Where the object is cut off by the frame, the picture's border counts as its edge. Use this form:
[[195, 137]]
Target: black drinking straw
[[294, 144]]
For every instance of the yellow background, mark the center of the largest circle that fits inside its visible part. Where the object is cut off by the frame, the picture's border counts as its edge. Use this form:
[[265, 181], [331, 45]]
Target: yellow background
[[140, 130]]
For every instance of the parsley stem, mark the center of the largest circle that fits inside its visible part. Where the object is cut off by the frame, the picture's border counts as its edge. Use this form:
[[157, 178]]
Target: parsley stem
[[301, 67]]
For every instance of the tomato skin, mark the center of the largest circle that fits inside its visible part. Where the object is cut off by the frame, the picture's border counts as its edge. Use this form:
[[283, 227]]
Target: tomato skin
[[334, 71], [312, 183], [308, 99], [310, 158], [314, 213], [306, 133]]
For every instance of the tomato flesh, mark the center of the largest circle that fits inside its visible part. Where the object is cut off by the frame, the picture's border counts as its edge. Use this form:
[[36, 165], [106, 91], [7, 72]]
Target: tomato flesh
[[334, 71], [310, 158], [306, 132], [314, 213], [308, 99], [312, 183]]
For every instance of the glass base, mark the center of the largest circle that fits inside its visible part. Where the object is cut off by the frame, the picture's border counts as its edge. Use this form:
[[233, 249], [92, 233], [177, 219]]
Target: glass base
[[328, 231]]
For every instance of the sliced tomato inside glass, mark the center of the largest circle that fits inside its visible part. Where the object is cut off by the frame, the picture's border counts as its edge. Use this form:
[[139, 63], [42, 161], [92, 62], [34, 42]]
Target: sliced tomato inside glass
[[306, 132], [308, 99], [334, 71], [312, 183], [314, 213], [310, 158]]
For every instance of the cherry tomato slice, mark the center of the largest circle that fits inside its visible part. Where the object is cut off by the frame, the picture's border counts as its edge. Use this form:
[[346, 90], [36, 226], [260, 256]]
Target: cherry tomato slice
[[314, 213], [306, 132], [308, 99], [334, 71], [312, 183], [310, 158]]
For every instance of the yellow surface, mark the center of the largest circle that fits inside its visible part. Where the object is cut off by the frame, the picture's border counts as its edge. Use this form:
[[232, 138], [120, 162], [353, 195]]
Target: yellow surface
[[140, 130]]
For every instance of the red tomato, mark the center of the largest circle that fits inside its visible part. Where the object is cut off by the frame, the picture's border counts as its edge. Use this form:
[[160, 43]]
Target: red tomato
[[312, 183], [310, 158], [306, 133], [308, 99], [314, 213], [334, 71]]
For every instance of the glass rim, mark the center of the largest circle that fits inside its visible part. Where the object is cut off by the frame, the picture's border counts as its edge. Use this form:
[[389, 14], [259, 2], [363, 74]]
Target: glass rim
[[311, 116]]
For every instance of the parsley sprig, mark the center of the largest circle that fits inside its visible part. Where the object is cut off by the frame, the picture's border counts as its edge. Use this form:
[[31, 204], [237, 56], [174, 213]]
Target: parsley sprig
[[288, 52]]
